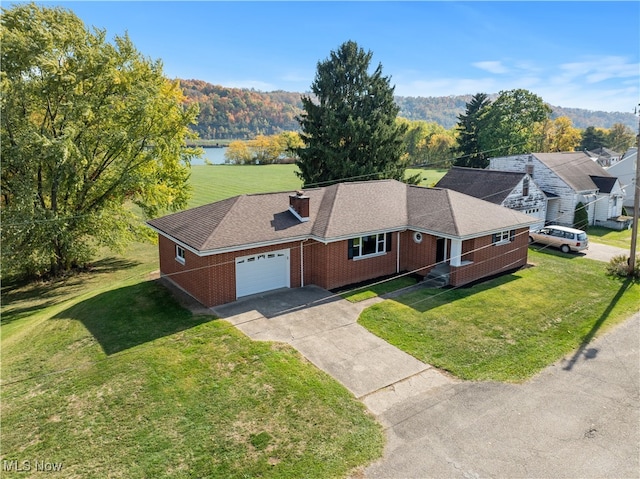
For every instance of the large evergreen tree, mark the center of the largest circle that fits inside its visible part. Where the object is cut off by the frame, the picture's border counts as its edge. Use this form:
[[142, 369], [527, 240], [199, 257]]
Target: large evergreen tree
[[349, 127], [593, 138], [87, 128], [469, 152]]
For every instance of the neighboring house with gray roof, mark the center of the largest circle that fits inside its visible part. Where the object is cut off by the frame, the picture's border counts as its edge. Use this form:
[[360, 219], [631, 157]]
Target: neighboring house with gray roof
[[604, 156], [513, 190], [569, 178], [336, 236], [625, 171]]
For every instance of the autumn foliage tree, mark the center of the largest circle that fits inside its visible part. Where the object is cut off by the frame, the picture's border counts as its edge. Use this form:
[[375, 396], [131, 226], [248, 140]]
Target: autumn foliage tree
[[88, 128]]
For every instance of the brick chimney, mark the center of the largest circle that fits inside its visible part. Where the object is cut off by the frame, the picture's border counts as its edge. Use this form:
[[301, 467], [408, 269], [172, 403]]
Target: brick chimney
[[299, 205]]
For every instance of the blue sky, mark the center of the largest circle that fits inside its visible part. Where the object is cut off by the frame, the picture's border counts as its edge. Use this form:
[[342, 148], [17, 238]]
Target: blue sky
[[572, 54]]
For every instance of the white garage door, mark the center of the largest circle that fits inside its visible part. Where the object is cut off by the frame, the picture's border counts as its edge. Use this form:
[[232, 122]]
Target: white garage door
[[262, 272]]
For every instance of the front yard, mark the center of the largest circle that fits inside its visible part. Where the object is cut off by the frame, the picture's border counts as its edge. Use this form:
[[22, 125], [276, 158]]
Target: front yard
[[511, 327], [115, 379]]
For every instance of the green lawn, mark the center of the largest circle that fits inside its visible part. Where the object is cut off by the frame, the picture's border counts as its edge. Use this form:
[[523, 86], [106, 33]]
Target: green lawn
[[217, 182], [429, 177], [621, 239], [105, 373], [378, 289], [511, 327]]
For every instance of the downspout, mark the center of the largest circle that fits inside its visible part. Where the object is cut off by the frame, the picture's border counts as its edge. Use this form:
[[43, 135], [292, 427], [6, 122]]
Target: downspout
[[302, 263], [398, 254]]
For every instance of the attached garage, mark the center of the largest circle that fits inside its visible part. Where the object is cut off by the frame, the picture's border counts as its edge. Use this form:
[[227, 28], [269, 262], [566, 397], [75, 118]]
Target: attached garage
[[262, 272]]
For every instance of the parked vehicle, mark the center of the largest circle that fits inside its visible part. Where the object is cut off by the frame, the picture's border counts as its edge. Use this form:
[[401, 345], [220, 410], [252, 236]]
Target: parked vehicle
[[562, 237]]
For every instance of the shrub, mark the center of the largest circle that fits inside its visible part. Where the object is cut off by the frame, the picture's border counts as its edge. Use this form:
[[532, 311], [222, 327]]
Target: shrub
[[581, 217], [619, 266]]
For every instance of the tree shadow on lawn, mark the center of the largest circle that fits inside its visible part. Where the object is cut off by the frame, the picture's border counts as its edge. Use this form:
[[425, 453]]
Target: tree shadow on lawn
[[129, 316], [591, 353], [423, 300], [40, 294]]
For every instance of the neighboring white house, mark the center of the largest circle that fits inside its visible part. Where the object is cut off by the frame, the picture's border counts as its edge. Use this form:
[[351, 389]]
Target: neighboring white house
[[625, 171], [604, 156], [569, 178], [513, 190]]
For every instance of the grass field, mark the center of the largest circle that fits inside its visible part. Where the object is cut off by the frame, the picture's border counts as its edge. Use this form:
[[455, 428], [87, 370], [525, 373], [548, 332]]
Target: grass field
[[508, 328], [217, 182]]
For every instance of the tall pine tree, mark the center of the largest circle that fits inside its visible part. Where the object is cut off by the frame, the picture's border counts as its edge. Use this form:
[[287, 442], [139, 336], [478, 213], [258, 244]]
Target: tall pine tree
[[469, 152], [349, 127]]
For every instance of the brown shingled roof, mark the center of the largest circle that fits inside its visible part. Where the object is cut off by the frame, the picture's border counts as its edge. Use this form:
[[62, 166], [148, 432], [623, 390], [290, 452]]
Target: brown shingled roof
[[336, 212]]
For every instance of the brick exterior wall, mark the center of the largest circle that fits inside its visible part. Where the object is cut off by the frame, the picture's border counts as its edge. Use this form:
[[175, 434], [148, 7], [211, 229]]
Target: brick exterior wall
[[328, 265], [417, 257], [212, 279], [489, 259]]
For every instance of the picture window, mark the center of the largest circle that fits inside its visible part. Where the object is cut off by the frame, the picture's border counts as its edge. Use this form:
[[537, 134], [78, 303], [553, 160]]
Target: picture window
[[369, 245]]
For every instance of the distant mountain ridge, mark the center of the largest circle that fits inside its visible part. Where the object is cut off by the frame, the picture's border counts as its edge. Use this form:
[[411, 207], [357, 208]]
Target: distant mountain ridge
[[229, 113]]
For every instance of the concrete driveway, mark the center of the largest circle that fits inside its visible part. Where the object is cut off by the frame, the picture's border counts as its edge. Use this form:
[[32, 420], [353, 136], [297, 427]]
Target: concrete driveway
[[323, 328]]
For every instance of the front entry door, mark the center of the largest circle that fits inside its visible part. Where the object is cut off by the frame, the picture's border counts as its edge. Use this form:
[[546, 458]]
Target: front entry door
[[441, 250]]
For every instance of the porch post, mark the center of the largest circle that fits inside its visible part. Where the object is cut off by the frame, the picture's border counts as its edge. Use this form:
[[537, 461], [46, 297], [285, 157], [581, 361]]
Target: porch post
[[456, 252]]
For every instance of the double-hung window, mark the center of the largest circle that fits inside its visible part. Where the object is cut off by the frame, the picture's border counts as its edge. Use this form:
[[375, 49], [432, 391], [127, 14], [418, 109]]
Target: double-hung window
[[180, 254], [504, 236], [369, 245]]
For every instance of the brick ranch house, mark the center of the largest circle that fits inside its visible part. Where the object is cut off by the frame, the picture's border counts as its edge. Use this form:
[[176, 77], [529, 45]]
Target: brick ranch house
[[336, 236]]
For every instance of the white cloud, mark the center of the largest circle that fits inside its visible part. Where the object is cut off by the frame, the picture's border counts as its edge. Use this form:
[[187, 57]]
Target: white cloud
[[607, 83], [492, 67]]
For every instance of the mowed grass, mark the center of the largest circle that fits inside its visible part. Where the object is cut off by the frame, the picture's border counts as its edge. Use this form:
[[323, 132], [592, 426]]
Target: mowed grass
[[105, 373], [621, 239], [216, 182], [511, 327], [121, 381], [378, 289]]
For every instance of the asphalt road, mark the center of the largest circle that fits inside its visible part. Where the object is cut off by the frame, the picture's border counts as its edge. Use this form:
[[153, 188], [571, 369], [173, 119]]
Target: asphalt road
[[602, 252], [579, 418]]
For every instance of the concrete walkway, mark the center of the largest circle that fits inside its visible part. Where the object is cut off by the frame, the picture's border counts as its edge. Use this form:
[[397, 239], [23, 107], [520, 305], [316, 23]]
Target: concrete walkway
[[324, 329]]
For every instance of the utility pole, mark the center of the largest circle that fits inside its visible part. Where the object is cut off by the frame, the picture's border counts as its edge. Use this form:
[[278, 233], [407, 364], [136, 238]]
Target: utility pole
[[636, 207]]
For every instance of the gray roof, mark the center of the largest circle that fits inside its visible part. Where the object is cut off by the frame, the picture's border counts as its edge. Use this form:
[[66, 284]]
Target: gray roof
[[604, 184], [336, 212], [575, 168], [489, 185]]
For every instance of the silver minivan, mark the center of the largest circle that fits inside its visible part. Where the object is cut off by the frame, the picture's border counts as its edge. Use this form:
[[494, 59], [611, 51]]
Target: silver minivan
[[567, 239]]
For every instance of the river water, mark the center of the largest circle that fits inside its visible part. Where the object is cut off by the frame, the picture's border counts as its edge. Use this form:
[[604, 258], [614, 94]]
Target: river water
[[214, 155]]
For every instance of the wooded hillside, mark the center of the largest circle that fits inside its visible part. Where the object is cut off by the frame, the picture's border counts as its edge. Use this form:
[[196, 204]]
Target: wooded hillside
[[235, 113]]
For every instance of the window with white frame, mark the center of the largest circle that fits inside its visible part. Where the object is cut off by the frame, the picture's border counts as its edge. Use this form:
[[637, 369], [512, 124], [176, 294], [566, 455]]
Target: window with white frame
[[504, 236], [369, 245], [180, 254]]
